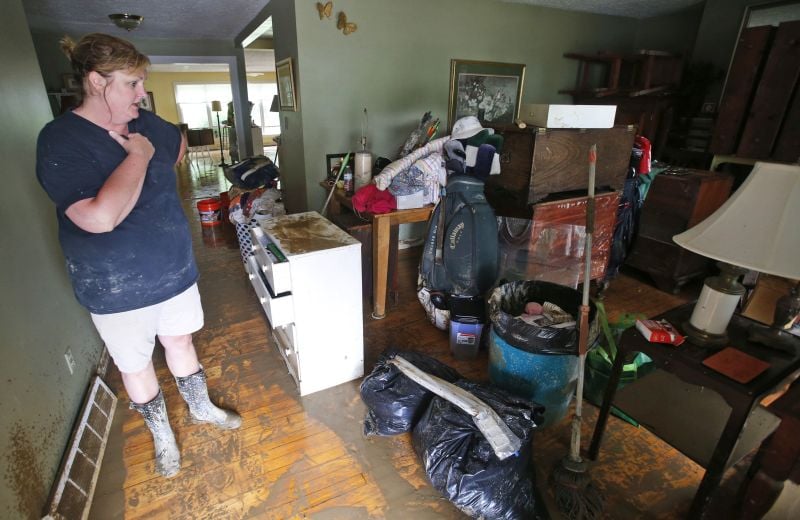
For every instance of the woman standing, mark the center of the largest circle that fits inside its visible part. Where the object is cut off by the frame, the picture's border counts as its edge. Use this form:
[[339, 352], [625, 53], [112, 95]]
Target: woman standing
[[109, 168]]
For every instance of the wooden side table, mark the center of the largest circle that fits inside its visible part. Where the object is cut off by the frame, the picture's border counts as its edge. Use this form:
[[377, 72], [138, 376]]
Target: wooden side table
[[381, 234], [686, 362]]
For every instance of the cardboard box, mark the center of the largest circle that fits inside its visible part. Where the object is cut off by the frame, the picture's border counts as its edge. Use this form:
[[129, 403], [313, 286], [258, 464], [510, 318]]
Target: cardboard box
[[760, 304], [568, 116], [411, 201]]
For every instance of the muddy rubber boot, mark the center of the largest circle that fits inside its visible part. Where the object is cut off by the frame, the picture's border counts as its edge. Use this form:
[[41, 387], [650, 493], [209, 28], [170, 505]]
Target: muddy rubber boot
[[195, 392], [168, 458]]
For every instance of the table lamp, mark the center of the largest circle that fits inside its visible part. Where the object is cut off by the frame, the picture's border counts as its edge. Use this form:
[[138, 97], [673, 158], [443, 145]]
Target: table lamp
[[756, 229], [216, 106]]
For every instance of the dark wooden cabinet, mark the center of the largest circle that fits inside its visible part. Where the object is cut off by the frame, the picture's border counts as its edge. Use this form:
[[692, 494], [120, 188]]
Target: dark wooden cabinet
[[537, 162], [674, 204]]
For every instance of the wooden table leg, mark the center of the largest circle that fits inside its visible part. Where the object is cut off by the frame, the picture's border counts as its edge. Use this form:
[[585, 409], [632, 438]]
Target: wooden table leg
[[716, 466], [381, 231], [776, 461]]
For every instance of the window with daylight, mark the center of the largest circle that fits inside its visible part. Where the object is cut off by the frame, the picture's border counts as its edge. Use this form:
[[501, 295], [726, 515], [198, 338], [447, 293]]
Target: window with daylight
[[261, 94], [194, 104]]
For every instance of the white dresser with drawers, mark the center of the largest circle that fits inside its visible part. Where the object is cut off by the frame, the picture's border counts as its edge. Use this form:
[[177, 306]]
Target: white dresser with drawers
[[306, 273]]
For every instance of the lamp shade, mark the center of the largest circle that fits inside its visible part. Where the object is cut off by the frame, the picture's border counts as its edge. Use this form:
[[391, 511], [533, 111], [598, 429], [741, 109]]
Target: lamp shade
[[757, 227], [216, 106], [276, 104]]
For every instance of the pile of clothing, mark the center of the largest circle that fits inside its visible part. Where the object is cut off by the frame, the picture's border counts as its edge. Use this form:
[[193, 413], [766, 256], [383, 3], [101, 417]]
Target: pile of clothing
[[247, 207], [418, 176]]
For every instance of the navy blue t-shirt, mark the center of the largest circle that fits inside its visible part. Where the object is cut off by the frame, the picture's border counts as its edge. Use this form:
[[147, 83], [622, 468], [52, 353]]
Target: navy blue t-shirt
[[148, 257]]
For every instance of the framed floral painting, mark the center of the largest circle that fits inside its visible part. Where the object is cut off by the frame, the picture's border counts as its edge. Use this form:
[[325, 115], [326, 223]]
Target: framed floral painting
[[489, 90]]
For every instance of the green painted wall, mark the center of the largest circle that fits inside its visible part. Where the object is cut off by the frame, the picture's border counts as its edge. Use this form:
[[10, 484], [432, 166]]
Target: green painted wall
[[673, 32], [39, 317], [717, 34], [397, 64]]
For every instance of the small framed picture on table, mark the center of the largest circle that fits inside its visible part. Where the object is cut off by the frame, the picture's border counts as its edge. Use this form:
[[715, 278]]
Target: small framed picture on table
[[333, 163]]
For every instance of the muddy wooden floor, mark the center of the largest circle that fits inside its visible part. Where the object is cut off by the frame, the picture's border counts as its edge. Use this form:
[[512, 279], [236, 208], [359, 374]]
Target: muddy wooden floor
[[307, 457]]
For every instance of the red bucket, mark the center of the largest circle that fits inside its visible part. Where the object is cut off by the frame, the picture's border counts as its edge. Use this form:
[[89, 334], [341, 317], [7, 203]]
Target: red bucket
[[209, 211]]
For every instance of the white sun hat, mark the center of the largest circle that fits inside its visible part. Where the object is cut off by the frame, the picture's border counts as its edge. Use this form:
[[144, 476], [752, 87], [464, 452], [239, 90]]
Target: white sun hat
[[466, 127]]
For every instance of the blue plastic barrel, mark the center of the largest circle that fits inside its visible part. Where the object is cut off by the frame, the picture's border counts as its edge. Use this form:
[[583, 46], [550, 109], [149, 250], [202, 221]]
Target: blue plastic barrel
[[547, 379]]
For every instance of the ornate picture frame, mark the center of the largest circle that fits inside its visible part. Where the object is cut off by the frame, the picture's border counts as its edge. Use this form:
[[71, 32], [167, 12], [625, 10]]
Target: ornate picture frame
[[491, 91], [286, 86]]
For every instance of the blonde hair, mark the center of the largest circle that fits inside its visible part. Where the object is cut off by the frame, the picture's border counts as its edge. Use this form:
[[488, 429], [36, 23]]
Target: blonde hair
[[102, 53]]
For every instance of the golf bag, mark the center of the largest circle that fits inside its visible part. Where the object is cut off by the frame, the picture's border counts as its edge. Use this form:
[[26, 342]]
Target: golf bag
[[460, 255]]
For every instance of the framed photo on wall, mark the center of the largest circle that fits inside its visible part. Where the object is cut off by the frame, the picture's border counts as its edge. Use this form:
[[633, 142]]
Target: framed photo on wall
[[286, 86], [489, 90], [148, 103]]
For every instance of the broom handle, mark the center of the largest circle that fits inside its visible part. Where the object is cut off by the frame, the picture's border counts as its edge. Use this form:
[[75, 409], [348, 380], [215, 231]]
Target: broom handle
[[583, 332]]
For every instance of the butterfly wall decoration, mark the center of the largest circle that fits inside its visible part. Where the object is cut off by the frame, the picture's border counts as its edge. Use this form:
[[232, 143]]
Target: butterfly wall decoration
[[325, 10], [345, 26]]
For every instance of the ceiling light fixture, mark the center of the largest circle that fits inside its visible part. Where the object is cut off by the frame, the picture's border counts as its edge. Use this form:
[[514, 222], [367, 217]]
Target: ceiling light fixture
[[126, 21]]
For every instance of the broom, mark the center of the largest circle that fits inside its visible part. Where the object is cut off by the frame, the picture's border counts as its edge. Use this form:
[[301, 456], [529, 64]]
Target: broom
[[575, 494]]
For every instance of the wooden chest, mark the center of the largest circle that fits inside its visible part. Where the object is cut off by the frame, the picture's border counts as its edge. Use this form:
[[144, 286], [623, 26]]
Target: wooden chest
[[536, 162], [675, 203]]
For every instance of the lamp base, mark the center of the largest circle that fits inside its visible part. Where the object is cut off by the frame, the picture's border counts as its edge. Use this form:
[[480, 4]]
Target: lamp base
[[704, 339], [773, 338], [787, 309]]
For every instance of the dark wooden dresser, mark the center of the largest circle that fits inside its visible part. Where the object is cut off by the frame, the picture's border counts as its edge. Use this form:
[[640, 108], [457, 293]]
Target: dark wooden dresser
[[674, 203]]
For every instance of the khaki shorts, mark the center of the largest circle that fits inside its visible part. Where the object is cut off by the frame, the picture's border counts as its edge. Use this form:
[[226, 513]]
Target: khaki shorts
[[130, 336]]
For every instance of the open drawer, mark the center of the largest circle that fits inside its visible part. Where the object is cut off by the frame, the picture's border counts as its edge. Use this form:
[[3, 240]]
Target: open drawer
[[286, 342], [279, 309], [276, 271]]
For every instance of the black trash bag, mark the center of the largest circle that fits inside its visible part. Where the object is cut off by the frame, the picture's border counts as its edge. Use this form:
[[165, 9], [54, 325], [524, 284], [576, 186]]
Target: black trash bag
[[508, 300], [461, 464], [395, 402]]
